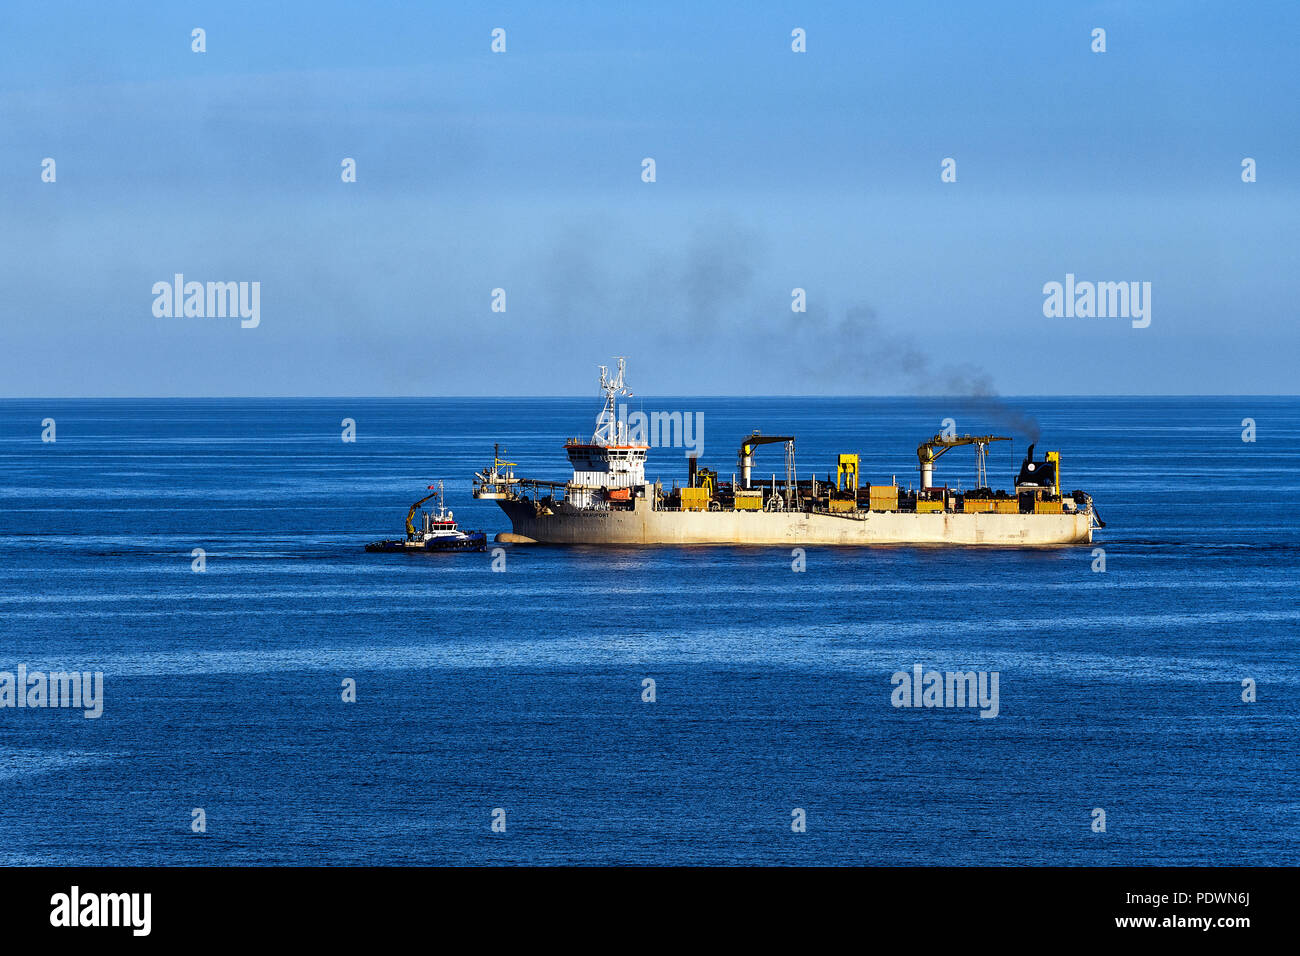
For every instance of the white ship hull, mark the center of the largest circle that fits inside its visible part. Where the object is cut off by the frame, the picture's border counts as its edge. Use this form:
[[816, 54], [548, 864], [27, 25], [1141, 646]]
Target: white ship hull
[[642, 525]]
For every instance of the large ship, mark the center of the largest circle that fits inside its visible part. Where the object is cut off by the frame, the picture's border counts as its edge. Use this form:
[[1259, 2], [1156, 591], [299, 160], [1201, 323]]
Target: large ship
[[609, 501]]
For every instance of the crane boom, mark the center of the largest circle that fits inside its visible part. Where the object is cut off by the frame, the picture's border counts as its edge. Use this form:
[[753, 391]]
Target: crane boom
[[932, 448], [747, 451], [410, 515]]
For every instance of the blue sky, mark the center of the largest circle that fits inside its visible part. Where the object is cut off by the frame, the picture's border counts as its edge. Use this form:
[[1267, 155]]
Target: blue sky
[[522, 171]]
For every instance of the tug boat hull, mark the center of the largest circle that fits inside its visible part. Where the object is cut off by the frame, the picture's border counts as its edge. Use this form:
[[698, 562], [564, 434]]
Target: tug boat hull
[[472, 541]]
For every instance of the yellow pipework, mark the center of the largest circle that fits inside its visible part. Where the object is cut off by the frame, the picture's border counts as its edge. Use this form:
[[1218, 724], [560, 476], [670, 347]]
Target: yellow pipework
[[1055, 457]]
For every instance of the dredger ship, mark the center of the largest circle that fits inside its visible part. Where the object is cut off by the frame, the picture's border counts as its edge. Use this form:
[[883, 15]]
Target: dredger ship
[[609, 501]]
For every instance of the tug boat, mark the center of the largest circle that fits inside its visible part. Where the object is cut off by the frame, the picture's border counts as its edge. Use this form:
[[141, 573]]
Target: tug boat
[[438, 530]]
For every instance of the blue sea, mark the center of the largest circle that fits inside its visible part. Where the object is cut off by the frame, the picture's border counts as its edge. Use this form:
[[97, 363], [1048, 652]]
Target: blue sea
[[520, 691]]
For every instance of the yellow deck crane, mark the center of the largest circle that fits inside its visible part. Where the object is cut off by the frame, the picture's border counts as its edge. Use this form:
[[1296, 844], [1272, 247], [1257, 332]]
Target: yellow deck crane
[[410, 515], [929, 450]]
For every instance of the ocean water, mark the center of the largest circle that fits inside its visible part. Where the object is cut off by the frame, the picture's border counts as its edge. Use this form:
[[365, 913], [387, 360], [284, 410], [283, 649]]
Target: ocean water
[[521, 689]]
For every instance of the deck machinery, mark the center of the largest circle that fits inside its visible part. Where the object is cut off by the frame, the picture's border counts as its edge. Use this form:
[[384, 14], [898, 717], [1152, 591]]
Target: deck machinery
[[609, 501]]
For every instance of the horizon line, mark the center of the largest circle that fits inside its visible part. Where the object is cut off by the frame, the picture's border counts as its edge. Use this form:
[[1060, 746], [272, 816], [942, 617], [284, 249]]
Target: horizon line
[[792, 395]]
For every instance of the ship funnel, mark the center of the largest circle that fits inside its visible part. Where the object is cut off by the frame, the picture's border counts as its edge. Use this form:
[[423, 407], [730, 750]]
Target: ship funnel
[[1041, 474]]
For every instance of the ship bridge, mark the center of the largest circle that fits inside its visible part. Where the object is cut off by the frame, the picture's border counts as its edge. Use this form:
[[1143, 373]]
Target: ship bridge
[[609, 460]]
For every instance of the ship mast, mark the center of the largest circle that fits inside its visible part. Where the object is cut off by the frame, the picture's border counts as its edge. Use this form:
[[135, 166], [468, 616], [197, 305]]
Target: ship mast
[[609, 430]]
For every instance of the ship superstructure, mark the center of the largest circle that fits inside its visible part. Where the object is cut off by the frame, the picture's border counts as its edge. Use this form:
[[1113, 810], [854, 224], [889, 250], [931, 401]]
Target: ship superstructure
[[609, 501], [609, 467]]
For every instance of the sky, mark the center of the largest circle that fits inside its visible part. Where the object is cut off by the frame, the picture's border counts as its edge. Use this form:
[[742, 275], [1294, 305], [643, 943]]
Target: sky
[[522, 170]]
